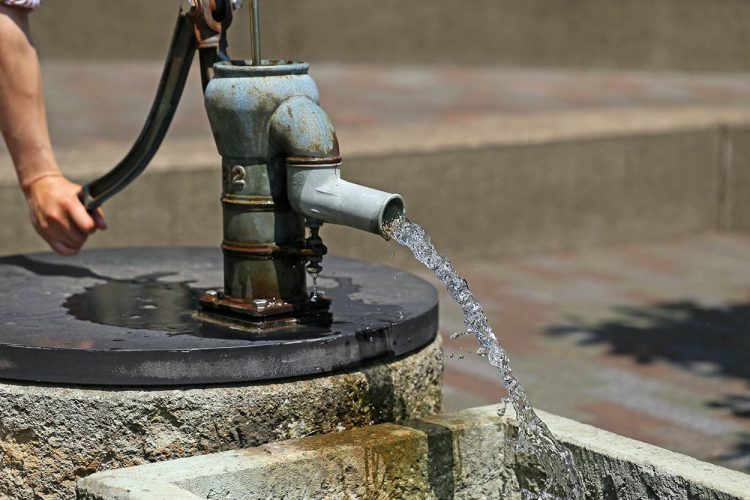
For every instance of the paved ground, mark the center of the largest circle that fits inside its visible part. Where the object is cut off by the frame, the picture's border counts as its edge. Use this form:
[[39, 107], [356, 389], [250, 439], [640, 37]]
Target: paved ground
[[96, 104], [650, 341]]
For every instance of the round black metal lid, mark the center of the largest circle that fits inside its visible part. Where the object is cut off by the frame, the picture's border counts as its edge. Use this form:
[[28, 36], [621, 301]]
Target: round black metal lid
[[126, 317]]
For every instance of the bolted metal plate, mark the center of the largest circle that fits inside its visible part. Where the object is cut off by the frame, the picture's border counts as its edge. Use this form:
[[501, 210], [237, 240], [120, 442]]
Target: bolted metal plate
[[127, 317]]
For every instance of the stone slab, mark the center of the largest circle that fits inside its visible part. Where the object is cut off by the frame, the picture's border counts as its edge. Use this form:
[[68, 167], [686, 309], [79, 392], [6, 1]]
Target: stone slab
[[464, 455], [128, 317], [52, 436]]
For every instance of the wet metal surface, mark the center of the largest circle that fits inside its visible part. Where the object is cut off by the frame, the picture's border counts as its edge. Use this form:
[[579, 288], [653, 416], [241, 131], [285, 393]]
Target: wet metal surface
[[126, 317]]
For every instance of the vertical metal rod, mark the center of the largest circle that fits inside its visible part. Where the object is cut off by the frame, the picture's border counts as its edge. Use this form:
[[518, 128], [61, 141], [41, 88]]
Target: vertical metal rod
[[255, 30]]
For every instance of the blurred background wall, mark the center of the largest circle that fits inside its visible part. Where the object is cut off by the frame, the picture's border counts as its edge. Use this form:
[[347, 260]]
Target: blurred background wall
[[649, 34]]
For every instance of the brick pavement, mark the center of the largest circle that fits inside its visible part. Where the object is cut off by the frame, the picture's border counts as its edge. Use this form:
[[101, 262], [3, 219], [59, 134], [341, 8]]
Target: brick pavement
[[93, 103], [650, 341]]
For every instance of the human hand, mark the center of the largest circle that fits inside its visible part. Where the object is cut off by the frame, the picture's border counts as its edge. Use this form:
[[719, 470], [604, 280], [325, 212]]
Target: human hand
[[59, 216]]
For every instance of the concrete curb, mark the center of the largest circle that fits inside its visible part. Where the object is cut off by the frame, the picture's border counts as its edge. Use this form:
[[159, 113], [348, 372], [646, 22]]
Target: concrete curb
[[465, 454], [531, 184]]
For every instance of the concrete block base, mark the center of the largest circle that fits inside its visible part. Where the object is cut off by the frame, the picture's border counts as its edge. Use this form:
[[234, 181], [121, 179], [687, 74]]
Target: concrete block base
[[464, 455], [52, 436]]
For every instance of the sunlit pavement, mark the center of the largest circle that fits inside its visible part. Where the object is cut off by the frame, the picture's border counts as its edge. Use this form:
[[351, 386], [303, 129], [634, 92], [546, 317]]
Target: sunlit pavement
[[99, 102], [650, 341]]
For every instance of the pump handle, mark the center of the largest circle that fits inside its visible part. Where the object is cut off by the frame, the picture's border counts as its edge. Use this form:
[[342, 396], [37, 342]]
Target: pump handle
[[195, 29]]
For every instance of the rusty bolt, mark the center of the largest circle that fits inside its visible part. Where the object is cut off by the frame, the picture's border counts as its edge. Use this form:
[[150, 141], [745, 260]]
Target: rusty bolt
[[212, 293]]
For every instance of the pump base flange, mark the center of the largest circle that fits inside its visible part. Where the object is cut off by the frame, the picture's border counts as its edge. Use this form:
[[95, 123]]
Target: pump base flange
[[262, 315]]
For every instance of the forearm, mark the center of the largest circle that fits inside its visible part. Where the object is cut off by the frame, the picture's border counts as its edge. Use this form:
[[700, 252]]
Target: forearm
[[23, 120]]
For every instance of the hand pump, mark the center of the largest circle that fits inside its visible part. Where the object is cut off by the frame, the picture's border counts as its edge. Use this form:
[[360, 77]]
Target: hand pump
[[280, 170]]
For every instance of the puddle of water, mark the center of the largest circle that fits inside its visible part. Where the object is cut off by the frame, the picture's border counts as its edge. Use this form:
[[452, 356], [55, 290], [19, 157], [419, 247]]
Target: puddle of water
[[534, 437], [143, 303], [147, 303]]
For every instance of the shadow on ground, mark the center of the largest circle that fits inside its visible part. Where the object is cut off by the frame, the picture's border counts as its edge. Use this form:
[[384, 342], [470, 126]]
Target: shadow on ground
[[707, 341]]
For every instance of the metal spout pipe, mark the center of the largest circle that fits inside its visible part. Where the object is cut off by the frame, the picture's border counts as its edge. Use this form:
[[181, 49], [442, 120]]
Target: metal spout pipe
[[318, 192], [301, 130]]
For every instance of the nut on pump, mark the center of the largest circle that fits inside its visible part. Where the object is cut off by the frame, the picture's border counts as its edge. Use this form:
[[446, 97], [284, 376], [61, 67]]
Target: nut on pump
[[281, 177]]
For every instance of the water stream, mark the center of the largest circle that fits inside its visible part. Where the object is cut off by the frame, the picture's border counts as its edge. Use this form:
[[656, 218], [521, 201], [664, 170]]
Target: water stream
[[534, 437]]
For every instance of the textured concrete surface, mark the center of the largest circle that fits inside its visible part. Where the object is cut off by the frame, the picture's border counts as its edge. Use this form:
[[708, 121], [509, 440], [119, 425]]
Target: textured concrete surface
[[462, 455], [647, 340], [512, 200], [52, 436], [679, 34]]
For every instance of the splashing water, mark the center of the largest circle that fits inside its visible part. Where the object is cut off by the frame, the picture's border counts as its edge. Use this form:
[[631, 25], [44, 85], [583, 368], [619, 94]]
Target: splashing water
[[534, 437]]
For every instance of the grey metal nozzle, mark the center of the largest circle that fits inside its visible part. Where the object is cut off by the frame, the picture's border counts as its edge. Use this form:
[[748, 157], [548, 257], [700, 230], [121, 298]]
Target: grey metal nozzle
[[321, 193]]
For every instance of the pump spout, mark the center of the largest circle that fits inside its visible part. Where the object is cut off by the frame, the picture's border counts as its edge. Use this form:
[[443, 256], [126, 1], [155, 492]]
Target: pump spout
[[318, 192], [302, 130]]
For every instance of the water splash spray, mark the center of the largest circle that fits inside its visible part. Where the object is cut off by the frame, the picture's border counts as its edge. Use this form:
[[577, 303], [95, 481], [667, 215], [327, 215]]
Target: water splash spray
[[534, 437]]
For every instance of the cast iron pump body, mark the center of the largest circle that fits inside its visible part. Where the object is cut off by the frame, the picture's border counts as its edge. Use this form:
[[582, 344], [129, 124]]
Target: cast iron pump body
[[280, 171]]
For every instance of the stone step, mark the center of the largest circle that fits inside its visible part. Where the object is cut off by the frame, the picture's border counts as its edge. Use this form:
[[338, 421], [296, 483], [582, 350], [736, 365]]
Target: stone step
[[669, 34], [492, 161], [463, 455]]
